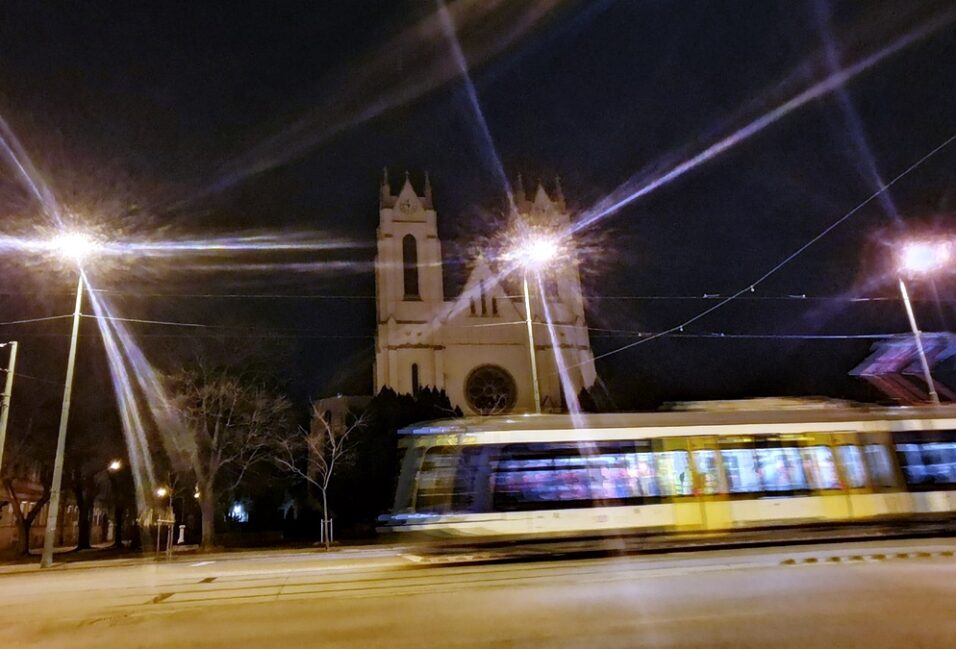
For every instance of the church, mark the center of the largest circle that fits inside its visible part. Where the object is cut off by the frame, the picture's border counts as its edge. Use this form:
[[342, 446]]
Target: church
[[474, 346]]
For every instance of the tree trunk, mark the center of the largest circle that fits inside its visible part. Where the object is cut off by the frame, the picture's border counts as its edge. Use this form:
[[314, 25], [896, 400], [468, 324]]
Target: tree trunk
[[207, 506], [83, 512], [23, 539], [325, 519], [118, 526], [25, 521]]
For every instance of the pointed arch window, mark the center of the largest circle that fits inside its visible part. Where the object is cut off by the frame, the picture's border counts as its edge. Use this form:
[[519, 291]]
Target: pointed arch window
[[410, 267], [415, 380]]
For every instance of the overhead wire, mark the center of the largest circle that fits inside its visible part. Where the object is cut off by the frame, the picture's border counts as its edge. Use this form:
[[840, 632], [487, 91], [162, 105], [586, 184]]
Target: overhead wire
[[788, 258]]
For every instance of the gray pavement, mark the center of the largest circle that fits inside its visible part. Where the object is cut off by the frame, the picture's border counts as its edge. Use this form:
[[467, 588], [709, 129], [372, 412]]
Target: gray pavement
[[866, 594]]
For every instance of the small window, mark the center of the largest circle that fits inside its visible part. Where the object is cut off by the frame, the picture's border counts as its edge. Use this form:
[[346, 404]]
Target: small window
[[436, 479], [705, 463], [852, 462], [471, 306], [494, 306], [410, 267], [484, 303], [673, 473], [781, 469], [742, 472], [819, 467], [879, 466], [415, 383], [643, 473]]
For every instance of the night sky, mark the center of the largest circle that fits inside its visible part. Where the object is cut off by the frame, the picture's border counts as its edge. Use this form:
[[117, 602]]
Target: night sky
[[202, 119]]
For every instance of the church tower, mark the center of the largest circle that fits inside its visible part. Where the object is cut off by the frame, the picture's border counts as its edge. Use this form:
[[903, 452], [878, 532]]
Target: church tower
[[559, 301], [475, 345], [408, 288]]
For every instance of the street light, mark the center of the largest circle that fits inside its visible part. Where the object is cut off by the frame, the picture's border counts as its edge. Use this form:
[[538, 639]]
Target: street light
[[921, 258], [74, 246], [533, 252], [115, 466]]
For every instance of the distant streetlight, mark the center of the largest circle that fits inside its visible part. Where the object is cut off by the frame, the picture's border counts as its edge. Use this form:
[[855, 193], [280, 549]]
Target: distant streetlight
[[919, 258], [76, 247], [162, 492], [115, 465], [533, 252]]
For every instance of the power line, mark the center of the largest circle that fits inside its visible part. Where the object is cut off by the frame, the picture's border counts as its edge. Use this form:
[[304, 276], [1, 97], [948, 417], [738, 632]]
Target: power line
[[28, 320], [786, 260]]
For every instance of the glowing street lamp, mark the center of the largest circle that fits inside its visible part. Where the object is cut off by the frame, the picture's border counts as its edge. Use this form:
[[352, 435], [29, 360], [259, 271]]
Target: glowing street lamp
[[919, 258], [115, 466], [533, 252], [72, 246]]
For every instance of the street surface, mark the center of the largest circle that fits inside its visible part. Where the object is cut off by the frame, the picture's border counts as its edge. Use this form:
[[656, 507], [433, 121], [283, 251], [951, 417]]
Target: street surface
[[863, 594]]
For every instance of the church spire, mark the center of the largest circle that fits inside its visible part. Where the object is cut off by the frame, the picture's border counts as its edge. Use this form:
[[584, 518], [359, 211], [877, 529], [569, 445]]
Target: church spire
[[385, 191]]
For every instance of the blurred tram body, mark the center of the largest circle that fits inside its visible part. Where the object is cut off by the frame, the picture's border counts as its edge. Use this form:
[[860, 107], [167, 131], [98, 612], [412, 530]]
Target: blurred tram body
[[547, 476]]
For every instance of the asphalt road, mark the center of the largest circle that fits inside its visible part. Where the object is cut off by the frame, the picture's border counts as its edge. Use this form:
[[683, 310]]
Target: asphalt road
[[873, 594]]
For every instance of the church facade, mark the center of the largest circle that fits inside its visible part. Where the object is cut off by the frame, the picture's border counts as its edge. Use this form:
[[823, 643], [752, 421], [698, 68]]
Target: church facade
[[474, 346]]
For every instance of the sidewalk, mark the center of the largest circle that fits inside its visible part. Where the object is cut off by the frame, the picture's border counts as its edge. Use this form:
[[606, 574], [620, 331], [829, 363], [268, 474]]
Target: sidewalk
[[77, 560]]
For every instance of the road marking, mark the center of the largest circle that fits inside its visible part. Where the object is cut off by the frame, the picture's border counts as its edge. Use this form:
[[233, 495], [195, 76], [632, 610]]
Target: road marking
[[855, 558], [200, 564]]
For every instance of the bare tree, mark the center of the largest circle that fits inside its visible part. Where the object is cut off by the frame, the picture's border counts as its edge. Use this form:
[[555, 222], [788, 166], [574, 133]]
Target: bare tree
[[24, 470], [315, 455], [234, 422]]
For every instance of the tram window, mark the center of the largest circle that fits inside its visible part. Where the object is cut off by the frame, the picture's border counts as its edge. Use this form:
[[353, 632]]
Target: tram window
[[705, 463], [436, 479], [819, 467], [470, 464], [911, 461], [741, 467], [852, 461], [542, 475], [945, 469], [673, 473], [931, 463], [609, 474], [446, 481], [781, 469], [878, 465], [643, 475]]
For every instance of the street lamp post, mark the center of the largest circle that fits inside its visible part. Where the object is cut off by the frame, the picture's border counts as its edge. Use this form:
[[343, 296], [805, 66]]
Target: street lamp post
[[533, 252], [54, 509], [7, 393], [531, 352], [74, 246], [927, 376], [921, 258]]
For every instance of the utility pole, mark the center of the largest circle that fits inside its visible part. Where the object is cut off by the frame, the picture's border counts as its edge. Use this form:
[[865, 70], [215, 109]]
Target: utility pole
[[7, 393], [917, 336], [53, 511], [534, 361]]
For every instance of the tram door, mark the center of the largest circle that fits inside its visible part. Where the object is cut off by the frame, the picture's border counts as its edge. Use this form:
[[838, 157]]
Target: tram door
[[819, 451], [676, 482], [710, 484]]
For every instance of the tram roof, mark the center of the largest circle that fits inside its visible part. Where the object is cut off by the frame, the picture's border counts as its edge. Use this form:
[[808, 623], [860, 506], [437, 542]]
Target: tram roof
[[815, 413]]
